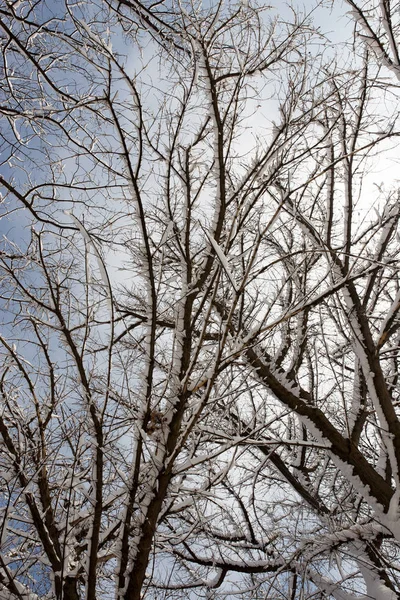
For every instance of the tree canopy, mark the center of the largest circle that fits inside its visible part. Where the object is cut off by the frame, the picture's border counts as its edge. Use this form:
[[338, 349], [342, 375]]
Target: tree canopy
[[200, 299]]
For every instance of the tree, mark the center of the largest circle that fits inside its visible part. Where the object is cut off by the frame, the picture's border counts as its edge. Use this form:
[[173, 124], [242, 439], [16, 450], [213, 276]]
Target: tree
[[200, 315]]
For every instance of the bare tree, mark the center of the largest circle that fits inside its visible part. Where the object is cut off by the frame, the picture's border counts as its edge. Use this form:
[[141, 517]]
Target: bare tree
[[200, 337]]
